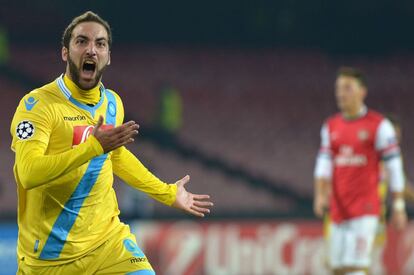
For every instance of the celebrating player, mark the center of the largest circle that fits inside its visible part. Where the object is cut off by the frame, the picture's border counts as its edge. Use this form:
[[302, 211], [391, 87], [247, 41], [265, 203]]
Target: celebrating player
[[68, 138], [353, 144]]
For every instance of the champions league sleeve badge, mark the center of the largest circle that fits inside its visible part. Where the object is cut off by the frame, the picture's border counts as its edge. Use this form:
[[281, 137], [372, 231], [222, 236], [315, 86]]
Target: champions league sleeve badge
[[25, 130]]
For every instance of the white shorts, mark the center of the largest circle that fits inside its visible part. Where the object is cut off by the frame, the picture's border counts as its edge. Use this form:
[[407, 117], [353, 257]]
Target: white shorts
[[351, 242]]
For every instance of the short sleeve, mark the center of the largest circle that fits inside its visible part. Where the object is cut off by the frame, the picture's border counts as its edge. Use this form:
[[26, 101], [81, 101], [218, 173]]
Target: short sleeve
[[31, 121]]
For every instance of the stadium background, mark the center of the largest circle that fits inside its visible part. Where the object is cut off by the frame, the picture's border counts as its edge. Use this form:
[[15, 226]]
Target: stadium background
[[234, 94]]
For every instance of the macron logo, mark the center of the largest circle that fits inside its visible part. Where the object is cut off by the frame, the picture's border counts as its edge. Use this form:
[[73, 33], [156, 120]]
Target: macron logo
[[30, 103]]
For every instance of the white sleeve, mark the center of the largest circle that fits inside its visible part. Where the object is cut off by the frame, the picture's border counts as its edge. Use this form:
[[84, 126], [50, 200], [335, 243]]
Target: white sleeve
[[386, 139], [323, 167], [387, 145], [395, 171]]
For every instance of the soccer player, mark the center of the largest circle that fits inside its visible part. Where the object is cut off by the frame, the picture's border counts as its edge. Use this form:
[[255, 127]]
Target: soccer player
[[353, 145], [381, 234], [69, 139]]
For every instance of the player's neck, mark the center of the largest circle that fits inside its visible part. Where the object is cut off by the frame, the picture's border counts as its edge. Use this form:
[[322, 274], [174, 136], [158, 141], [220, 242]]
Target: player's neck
[[91, 96], [355, 113]]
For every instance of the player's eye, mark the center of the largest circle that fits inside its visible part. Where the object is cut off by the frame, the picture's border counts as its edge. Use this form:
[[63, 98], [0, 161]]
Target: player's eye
[[101, 44], [81, 41]]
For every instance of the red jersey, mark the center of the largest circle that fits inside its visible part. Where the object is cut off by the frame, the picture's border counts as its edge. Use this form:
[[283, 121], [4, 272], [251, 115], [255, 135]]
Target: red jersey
[[355, 149]]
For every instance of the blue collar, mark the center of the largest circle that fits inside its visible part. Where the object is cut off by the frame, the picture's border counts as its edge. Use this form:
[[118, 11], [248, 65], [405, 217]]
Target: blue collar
[[67, 93]]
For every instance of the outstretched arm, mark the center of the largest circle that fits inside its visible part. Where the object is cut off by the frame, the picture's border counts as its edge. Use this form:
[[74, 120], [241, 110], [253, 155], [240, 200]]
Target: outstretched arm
[[133, 172]]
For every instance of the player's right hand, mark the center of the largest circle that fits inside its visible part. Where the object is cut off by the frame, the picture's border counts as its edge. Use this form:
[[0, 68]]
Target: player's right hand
[[116, 137], [320, 206]]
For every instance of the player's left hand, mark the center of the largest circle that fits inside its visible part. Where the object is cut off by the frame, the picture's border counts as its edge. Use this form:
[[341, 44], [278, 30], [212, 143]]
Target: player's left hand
[[399, 219], [197, 205]]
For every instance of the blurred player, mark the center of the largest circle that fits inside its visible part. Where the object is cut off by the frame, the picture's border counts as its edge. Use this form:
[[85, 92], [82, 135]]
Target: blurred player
[[64, 166], [381, 235], [353, 144]]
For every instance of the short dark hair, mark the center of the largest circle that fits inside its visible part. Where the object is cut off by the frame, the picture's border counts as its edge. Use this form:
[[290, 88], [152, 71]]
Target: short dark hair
[[354, 73], [88, 16]]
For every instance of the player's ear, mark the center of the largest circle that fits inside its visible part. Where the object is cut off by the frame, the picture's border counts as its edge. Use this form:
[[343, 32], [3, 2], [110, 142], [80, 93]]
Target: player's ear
[[109, 58], [65, 53]]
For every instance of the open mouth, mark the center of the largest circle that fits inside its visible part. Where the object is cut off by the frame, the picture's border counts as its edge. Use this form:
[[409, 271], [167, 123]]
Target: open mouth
[[88, 67]]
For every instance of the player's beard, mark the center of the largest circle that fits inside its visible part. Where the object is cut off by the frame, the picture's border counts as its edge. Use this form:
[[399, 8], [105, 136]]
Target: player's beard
[[75, 73]]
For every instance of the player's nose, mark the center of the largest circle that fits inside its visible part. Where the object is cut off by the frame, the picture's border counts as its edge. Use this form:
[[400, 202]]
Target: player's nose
[[91, 49]]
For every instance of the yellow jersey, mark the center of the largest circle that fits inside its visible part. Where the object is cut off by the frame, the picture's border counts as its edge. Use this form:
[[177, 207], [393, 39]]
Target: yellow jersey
[[67, 206]]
